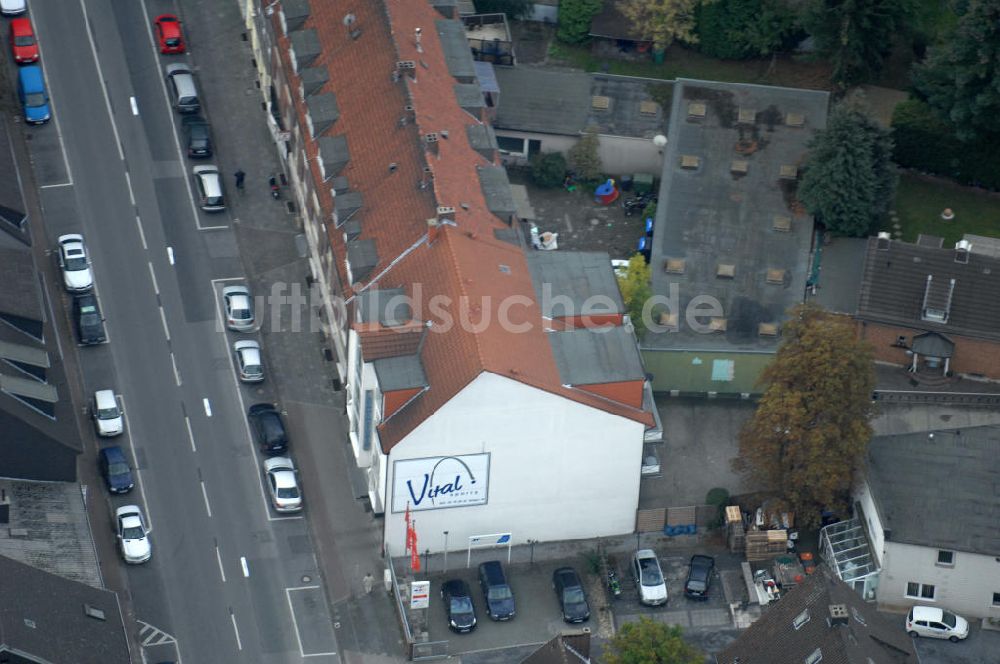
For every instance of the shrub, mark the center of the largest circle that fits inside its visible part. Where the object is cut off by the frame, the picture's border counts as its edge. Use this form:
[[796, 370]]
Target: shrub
[[584, 158], [739, 29], [574, 19], [548, 169], [719, 498]]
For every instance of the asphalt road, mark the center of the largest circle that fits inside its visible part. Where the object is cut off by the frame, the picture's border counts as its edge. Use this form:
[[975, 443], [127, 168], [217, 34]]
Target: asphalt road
[[230, 580]]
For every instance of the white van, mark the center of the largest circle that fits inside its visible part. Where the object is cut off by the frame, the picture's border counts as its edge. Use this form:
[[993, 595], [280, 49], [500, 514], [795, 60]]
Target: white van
[[936, 623], [107, 414]]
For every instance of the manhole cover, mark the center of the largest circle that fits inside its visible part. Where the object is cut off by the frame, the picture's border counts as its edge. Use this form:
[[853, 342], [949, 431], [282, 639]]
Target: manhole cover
[[306, 578]]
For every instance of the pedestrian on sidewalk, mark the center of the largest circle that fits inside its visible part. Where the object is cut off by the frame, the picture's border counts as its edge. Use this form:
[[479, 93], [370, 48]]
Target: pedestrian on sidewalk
[[240, 176], [368, 582]]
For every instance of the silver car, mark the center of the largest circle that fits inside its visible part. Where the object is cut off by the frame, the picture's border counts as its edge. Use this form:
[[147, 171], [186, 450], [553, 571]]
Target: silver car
[[208, 182], [183, 93], [238, 303], [283, 484], [133, 535], [75, 266], [107, 414], [248, 361]]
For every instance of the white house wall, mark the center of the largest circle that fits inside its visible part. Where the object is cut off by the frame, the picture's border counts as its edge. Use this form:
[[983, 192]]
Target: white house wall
[[966, 588], [558, 470], [620, 155], [876, 536]]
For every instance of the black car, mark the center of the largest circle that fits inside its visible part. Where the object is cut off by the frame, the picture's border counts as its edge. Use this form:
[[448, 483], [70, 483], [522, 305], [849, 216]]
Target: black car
[[89, 322], [496, 592], [115, 469], [457, 602], [699, 577], [268, 428], [197, 136], [572, 598]]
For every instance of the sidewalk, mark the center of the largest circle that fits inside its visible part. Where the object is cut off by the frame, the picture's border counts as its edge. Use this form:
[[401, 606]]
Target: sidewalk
[[345, 537]]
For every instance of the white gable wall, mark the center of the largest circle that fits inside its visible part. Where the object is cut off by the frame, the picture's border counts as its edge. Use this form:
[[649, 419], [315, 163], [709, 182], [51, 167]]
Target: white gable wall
[[559, 470]]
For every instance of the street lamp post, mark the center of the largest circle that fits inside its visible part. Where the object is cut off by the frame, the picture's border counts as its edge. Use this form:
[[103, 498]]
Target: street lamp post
[[531, 545], [446, 551]]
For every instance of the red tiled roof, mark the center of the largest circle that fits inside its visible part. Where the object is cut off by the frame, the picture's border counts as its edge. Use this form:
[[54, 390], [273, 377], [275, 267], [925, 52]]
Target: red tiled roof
[[461, 265]]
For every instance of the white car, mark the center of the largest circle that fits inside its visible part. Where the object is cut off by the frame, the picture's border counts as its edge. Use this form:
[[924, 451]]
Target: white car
[[133, 535], [248, 362], [238, 303], [649, 578], [74, 264], [107, 414], [209, 184], [283, 483], [936, 623], [13, 7]]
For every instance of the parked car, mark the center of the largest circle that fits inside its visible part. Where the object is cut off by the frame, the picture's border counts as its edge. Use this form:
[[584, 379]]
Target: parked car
[[133, 535], [168, 34], [208, 182], [107, 414], [197, 136], [13, 7], [22, 41], [457, 602], [268, 428], [700, 571], [33, 95], [238, 304], [183, 93], [89, 321], [248, 362], [283, 483], [115, 469], [74, 263], [936, 623], [496, 591], [649, 578], [572, 598]]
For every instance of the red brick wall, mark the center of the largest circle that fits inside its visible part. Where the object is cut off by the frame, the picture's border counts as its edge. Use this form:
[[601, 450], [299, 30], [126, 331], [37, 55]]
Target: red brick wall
[[972, 356]]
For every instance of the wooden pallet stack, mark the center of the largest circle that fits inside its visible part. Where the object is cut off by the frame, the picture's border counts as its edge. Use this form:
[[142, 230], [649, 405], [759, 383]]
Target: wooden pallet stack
[[765, 544], [735, 532]]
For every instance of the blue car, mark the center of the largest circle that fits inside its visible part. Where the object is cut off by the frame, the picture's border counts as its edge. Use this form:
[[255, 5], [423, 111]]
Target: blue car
[[34, 98], [115, 469]]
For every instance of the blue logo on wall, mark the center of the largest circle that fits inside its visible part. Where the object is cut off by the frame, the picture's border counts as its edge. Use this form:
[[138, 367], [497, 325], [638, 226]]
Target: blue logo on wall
[[452, 481]]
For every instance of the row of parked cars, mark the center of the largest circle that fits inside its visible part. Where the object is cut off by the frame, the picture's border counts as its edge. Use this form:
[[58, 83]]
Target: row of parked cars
[[31, 92], [652, 586]]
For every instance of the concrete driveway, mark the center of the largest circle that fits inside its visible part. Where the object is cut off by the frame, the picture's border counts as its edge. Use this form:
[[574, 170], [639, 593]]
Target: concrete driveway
[[981, 647]]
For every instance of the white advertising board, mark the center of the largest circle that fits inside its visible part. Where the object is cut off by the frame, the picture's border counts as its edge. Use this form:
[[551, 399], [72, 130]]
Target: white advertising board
[[420, 594], [434, 483]]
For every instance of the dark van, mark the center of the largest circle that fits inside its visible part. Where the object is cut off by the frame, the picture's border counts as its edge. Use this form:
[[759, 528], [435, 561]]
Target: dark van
[[499, 598], [31, 92]]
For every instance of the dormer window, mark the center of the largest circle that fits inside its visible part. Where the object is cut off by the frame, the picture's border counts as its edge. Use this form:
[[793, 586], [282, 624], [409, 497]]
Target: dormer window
[[937, 299]]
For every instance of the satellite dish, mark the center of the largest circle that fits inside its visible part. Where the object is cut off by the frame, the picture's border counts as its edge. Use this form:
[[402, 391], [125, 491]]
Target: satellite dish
[[659, 140], [349, 20]]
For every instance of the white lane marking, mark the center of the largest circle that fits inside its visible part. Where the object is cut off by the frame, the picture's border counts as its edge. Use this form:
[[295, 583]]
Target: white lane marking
[[177, 374], [208, 508], [187, 422], [128, 185], [243, 564], [295, 623], [104, 89], [152, 275], [142, 234], [54, 186], [239, 644], [163, 319], [218, 556], [135, 464], [134, 104], [208, 407], [170, 255]]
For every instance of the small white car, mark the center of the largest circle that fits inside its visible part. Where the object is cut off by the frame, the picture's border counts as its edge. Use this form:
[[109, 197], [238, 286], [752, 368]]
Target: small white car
[[283, 483], [936, 623], [649, 578], [13, 7], [209, 185], [133, 535], [248, 361], [75, 266], [238, 303], [107, 414]]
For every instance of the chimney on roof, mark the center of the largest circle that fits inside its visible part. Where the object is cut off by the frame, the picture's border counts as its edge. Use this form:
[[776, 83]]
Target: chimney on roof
[[883, 241], [433, 230], [431, 142], [962, 249], [445, 214], [838, 614], [416, 38]]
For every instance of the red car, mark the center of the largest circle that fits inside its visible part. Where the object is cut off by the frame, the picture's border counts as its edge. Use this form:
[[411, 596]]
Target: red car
[[22, 41], [168, 34]]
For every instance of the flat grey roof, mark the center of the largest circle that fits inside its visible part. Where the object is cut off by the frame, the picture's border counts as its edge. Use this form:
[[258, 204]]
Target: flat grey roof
[[908, 475], [539, 100], [633, 110], [402, 372], [594, 356], [708, 216], [838, 285], [581, 276]]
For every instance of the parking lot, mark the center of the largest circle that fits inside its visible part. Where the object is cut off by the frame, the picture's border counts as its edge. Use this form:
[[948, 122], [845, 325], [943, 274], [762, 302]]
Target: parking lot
[[981, 647]]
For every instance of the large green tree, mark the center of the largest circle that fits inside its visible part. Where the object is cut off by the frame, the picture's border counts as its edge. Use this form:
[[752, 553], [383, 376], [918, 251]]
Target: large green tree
[[849, 181], [961, 76], [661, 21], [634, 284], [574, 19], [811, 428], [738, 29], [855, 35], [650, 642]]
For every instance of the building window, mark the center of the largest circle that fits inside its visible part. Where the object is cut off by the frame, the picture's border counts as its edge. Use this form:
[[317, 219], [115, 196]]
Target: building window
[[369, 420], [946, 558], [996, 599], [512, 145], [919, 590]]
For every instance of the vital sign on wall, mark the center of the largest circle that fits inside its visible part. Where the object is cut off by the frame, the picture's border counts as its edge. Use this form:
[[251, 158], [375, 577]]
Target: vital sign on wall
[[437, 482]]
